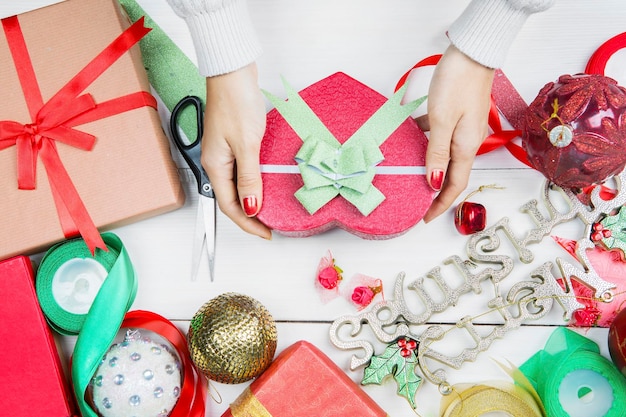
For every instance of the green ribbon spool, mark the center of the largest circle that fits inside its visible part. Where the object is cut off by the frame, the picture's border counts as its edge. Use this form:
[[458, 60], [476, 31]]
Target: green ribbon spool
[[329, 168], [170, 72], [574, 380], [65, 279], [68, 280]]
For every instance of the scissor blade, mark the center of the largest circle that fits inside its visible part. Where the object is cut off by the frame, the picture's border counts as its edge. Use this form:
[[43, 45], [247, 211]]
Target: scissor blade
[[199, 238], [208, 212]]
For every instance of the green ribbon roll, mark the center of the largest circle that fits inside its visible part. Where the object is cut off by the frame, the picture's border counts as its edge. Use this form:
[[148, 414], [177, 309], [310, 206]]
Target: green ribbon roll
[[574, 380], [170, 72], [68, 279], [329, 168], [71, 281]]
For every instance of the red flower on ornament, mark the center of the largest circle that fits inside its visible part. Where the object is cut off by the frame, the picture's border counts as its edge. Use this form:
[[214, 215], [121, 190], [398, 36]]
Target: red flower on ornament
[[585, 89]]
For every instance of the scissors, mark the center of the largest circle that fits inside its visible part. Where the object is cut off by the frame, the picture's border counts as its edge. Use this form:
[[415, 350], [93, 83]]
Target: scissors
[[204, 235]]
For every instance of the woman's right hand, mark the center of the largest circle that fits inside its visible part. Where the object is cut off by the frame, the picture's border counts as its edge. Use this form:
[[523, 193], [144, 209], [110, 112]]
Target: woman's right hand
[[234, 125]]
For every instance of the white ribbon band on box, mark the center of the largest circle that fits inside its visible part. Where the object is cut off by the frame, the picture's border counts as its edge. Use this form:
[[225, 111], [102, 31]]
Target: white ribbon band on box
[[380, 170]]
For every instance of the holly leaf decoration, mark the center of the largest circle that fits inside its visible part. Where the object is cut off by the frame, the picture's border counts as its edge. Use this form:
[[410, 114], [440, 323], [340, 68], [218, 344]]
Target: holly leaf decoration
[[399, 360], [616, 224]]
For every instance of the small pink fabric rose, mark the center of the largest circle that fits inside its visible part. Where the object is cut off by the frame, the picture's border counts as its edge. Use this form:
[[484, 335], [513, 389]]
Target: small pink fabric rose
[[362, 295], [364, 290], [329, 277]]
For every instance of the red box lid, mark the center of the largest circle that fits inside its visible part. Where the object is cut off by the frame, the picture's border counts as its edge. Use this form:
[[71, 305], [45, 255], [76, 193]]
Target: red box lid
[[32, 380]]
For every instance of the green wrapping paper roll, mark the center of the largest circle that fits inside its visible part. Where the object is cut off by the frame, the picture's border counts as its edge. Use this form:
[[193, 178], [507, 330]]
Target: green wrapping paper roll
[[574, 380], [170, 72]]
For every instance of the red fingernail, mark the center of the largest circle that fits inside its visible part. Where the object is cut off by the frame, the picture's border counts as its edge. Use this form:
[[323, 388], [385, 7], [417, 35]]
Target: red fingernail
[[436, 179], [250, 205]]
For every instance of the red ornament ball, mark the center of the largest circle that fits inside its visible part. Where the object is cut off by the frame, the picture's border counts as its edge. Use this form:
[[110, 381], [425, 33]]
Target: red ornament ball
[[470, 218], [575, 130], [617, 341]]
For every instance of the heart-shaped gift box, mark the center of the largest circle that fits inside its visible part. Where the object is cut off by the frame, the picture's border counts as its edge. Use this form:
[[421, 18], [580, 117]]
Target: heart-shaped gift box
[[339, 154]]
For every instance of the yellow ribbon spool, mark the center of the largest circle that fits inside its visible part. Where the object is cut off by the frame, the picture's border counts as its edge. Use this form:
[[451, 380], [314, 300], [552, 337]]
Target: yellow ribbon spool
[[518, 398], [477, 400]]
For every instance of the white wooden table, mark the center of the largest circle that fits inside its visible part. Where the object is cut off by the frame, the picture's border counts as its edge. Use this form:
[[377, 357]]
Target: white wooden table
[[375, 42]]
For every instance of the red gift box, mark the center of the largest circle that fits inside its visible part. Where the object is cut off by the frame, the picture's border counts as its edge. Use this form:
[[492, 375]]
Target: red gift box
[[343, 106], [32, 380], [303, 382], [81, 142]]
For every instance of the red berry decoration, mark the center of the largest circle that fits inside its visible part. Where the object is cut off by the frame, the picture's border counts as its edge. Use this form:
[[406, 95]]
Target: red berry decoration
[[617, 341], [575, 130]]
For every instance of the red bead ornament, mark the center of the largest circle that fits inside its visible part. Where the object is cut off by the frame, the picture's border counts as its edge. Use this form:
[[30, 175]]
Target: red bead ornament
[[471, 217], [406, 346], [575, 130], [617, 341]]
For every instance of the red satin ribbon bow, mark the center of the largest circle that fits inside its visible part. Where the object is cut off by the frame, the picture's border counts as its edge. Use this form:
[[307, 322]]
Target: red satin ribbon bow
[[55, 120]]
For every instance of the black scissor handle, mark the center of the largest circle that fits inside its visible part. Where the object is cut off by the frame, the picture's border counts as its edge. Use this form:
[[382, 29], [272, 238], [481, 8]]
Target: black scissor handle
[[192, 151]]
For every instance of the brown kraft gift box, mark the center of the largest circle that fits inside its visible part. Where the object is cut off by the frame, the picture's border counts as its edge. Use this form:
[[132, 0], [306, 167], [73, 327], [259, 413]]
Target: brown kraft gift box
[[129, 173]]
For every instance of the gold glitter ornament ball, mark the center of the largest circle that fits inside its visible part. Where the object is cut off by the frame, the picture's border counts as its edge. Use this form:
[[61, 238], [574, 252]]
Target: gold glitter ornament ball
[[232, 338]]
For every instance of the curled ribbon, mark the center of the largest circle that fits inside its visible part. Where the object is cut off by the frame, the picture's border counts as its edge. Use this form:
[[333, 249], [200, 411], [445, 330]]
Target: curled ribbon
[[597, 62], [55, 120], [329, 168], [191, 402]]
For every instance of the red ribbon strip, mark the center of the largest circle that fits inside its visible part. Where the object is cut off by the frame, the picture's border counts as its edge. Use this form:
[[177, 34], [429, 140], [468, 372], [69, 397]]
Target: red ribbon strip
[[55, 121], [191, 402], [597, 62], [500, 137]]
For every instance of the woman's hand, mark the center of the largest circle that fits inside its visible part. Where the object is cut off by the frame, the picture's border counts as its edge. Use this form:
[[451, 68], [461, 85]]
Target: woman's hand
[[234, 124], [458, 108]]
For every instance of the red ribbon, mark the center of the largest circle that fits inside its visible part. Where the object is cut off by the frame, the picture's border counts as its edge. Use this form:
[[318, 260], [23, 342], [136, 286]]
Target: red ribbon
[[506, 100], [597, 62], [500, 137], [191, 402], [55, 120]]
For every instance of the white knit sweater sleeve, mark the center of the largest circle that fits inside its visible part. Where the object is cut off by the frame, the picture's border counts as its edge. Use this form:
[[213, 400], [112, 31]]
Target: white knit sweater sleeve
[[487, 28], [222, 32]]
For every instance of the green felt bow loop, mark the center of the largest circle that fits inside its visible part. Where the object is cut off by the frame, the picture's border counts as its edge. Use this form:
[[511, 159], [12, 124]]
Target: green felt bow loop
[[329, 168]]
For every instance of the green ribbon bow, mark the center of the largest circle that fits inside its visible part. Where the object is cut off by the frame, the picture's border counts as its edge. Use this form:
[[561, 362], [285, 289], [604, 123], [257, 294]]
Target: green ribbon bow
[[329, 168]]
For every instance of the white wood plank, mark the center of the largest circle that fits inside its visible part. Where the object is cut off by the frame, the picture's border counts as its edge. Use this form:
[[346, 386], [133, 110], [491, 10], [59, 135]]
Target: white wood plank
[[375, 42], [12, 8]]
